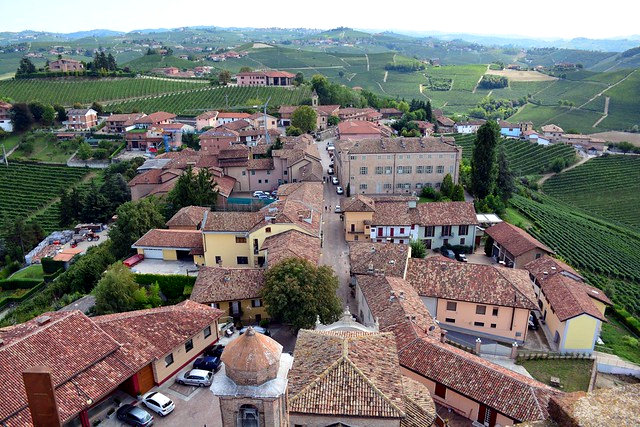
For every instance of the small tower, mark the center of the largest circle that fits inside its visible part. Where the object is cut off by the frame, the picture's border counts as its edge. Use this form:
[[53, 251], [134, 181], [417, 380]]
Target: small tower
[[252, 385], [314, 99]]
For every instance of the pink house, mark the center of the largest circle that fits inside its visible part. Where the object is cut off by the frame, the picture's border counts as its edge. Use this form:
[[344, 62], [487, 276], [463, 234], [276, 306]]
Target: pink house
[[265, 78]]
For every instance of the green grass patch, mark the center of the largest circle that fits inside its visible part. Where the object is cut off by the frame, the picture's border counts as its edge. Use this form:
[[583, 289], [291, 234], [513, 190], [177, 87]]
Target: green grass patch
[[513, 216], [619, 339], [574, 374], [32, 272]]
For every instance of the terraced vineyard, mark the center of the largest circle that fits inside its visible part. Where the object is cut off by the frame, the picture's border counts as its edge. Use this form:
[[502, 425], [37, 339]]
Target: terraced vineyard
[[195, 102], [525, 158], [27, 187], [588, 243], [607, 187], [69, 91]]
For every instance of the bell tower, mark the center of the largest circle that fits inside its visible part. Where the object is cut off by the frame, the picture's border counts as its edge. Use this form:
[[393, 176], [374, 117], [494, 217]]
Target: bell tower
[[314, 99]]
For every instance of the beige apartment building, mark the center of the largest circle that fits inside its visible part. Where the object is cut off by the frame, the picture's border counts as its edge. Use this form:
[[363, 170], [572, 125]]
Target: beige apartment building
[[396, 165]]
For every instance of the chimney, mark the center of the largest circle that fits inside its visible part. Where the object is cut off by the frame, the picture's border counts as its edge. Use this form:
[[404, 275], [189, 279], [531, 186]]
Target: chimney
[[443, 335], [41, 397], [392, 296], [402, 295], [514, 351], [43, 320], [478, 345], [412, 204]]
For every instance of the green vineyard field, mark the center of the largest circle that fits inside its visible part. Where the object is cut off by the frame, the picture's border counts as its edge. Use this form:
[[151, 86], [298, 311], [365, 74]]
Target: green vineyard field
[[194, 103], [28, 187], [607, 187], [525, 158], [589, 244]]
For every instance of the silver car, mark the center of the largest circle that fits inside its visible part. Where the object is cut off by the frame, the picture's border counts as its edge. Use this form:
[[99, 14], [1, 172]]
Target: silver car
[[196, 377]]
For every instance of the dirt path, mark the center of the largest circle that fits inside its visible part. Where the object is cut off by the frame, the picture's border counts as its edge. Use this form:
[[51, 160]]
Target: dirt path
[[575, 165], [381, 88], [606, 112], [394, 59], [386, 74], [478, 82], [367, 56], [607, 88], [352, 76]]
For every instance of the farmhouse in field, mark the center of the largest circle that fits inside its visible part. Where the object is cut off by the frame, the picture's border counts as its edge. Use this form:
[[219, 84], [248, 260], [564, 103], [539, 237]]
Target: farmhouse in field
[[265, 78], [470, 126], [65, 66], [396, 165], [81, 119], [514, 246]]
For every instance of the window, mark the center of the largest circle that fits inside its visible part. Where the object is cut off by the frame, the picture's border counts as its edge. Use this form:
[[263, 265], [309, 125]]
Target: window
[[452, 305], [387, 186], [400, 169], [363, 170], [379, 170], [188, 346], [364, 157], [214, 305], [399, 185], [352, 157], [267, 230], [248, 416], [538, 256], [388, 170], [440, 169], [266, 181], [450, 320], [253, 172], [242, 260], [428, 169], [218, 259], [478, 323], [462, 241], [493, 325], [419, 169], [481, 309], [256, 302], [401, 230], [450, 169], [418, 185], [363, 186], [463, 230], [207, 332], [446, 230], [285, 172], [259, 181], [429, 231], [494, 312], [168, 361], [441, 390], [244, 173], [241, 239]]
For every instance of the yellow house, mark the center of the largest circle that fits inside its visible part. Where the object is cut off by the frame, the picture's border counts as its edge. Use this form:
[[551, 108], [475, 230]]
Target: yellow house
[[235, 239], [572, 312], [357, 212], [171, 245], [235, 291], [482, 300]]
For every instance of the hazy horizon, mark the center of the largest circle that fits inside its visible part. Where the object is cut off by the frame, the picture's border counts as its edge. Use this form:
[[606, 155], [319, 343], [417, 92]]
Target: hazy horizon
[[549, 20]]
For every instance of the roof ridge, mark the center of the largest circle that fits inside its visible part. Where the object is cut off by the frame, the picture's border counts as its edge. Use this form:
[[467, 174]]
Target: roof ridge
[[522, 294], [41, 328]]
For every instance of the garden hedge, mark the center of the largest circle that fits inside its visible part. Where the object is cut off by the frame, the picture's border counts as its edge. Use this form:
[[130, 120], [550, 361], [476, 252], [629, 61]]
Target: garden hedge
[[171, 285], [12, 284]]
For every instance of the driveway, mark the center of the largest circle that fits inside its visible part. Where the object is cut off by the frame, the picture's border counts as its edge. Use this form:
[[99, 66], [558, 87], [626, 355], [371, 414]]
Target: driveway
[[335, 252], [159, 266]]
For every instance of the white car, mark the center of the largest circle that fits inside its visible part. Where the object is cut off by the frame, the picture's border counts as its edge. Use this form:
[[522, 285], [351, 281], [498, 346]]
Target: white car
[[195, 377], [338, 210], [339, 190], [258, 193], [330, 171], [158, 403], [334, 180]]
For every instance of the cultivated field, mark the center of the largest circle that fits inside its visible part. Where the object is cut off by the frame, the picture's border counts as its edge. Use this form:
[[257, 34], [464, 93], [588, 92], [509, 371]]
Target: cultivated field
[[606, 187], [617, 136], [522, 76]]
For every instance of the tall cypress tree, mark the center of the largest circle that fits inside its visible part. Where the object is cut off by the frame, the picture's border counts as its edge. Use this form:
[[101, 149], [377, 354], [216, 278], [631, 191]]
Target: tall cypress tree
[[483, 161], [505, 184]]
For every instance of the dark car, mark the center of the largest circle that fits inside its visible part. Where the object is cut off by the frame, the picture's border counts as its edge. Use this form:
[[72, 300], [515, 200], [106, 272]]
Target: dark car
[[533, 322], [447, 252], [207, 363], [214, 350], [461, 257], [134, 416]]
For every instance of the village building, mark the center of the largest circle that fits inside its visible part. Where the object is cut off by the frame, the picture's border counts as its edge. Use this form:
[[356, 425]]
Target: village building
[[396, 165], [378, 258], [81, 119], [259, 119], [225, 117], [5, 116], [445, 124], [156, 119], [572, 311], [361, 129], [206, 119], [359, 114], [217, 139], [187, 218], [171, 245], [470, 126], [552, 131], [390, 113], [86, 359], [513, 246], [121, 123], [65, 66], [425, 128], [481, 300], [265, 78]]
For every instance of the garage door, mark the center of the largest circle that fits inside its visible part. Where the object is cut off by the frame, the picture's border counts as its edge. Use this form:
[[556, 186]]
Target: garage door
[[153, 253], [145, 379]]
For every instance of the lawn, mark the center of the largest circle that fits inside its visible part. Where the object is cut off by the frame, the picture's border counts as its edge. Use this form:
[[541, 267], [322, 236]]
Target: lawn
[[9, 142], [620, 340], [32, 272], [513, 216], [574, 374]]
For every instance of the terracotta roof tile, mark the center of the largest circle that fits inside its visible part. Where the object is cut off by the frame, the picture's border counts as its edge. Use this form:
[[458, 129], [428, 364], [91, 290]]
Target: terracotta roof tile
[[570, 298], [447, 213], [514, 239], [399, 145], [292, 243], [215, 284], [158, 116], [418, 405], [160, 238], [385, 258], [189, 216]]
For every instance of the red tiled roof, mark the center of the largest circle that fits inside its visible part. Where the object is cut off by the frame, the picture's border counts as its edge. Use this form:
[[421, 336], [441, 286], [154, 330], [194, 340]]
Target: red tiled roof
[[514, 239], [158, 116], [189, 216], [440, 277], [290, 244], [207, 115], [357, 127], [547, 264], [216, 284], [570, 298], [226, 115], [237, 125], [447, 213], [445, 121], [384, 258], [159, 238]]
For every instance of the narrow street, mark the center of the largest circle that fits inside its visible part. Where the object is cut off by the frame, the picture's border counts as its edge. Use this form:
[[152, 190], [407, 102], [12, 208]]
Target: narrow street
[[335, 251]]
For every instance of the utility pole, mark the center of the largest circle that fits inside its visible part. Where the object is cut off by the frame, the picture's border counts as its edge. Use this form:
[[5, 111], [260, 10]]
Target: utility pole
[[266, 128], [4, 155]]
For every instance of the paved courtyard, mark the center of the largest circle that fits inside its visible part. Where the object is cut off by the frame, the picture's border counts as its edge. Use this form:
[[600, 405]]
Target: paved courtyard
[[158, 266]]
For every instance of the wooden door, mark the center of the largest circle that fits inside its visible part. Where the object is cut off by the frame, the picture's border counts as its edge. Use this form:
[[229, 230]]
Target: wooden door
[[145, 379], [487, 416]]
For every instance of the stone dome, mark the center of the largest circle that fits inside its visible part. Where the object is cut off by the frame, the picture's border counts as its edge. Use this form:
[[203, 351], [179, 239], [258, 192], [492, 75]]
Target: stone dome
[[252, 358]]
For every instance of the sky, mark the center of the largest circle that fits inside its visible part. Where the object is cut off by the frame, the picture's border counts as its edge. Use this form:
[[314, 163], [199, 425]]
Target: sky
[[543, 19]]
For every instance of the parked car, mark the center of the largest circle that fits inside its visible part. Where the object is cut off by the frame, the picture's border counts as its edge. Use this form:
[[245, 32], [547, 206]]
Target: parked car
[[461, 257], [447, 252], [258, 193], [334, 180], [330, 171], [134, 416], [533, 322], [214, 350], [196, 377], [207, 363], [338, 209], [274, 193], [264, 196], [158, 403]]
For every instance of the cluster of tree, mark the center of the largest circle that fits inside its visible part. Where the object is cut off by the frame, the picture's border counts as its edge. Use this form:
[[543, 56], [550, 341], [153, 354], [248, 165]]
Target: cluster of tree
[[448, 191], [492, 181], [333, 93], [191, 140], [441, 84], [405, 67], [224, 77], [25, 67], [17, 237], [103, 62], [624, 147], [117, 292], [490, 81], [492, 109], [24, 115], [98, 203], [565, 102], [192, 190], [418, 110], [305, 119], [297, 292]]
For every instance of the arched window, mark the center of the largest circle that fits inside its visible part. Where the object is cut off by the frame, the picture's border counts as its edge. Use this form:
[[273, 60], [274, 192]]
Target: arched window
[[248, 416]]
